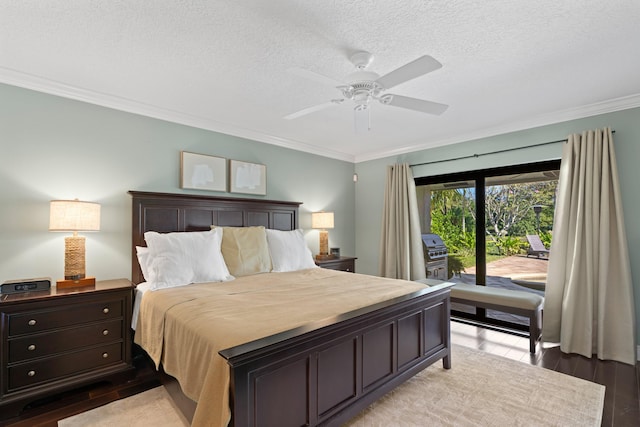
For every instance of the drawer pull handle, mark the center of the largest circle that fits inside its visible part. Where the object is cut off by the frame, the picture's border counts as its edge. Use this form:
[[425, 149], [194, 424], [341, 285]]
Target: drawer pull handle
[[31, 373], [105, 355], [31, 347], [105, 310], [105, 332], [32, 322]]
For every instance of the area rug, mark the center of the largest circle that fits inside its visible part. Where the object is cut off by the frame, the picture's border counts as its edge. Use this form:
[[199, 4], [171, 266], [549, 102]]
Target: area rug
[[151, 408], [479, 390]]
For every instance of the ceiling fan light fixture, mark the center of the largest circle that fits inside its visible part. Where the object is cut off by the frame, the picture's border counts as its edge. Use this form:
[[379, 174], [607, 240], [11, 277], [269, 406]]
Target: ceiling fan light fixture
[[361, 97]]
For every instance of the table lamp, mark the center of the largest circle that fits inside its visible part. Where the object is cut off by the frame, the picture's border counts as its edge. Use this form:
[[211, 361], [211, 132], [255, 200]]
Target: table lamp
[[322, 221], [74, 215]]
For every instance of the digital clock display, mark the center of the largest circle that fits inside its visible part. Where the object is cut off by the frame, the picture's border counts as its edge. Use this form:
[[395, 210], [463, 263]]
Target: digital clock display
[[25, 286]]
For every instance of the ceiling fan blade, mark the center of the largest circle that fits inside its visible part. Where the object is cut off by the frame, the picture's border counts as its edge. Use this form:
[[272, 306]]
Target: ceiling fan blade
[[313, 109], [362, 118], [421, 105], [311, 75], [423, 65]]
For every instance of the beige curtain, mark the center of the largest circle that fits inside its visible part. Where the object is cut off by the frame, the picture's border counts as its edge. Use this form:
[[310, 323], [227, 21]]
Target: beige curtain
[[401, 254], [589, 305]]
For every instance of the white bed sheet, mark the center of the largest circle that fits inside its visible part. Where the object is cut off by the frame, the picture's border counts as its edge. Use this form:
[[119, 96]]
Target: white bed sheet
[[140, 290]]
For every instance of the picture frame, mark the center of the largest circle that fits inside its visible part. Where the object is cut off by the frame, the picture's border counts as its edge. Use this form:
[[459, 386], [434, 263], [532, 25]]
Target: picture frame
[[335, 252], [203, 172], [247, 178]]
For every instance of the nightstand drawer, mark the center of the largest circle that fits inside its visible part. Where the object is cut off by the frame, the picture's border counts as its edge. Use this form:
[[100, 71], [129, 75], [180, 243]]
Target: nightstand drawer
[[31, 373], [51, 343], [342, 263], [37, 321]]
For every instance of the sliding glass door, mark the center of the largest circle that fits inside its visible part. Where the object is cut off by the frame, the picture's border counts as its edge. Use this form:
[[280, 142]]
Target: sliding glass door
[[493, 222]]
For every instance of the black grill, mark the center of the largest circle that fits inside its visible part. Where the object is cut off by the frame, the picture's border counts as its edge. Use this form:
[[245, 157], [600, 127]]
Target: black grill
[[436, 257]]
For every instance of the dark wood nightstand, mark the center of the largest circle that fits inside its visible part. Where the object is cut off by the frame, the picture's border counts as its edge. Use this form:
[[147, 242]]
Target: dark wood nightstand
[[60, 339], [343, 263]]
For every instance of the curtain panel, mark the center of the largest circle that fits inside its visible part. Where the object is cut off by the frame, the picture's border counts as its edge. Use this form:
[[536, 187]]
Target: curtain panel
[[401, 253], [589, 304]]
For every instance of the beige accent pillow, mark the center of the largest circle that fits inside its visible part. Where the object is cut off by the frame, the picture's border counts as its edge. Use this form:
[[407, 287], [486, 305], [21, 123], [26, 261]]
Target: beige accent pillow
[[245, 250]]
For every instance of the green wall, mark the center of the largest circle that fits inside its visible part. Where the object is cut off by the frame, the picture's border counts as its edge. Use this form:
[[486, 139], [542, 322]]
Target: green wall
[[56, 148], [371, 175]]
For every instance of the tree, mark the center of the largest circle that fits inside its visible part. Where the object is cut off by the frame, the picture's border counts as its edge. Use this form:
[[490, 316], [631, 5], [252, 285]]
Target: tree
[[450, 219], [509, 208], [509, 215]]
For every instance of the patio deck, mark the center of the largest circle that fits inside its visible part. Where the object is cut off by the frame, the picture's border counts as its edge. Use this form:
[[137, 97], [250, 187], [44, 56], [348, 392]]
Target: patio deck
[[517, 264]]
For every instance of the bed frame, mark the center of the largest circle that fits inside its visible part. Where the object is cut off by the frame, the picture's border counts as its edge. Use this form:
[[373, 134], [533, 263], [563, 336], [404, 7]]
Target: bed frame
[[323, 373]]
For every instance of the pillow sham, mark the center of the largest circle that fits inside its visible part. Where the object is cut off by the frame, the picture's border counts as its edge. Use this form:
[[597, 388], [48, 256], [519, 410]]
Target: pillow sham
[[245, 250], [288, 250], [179, 259]]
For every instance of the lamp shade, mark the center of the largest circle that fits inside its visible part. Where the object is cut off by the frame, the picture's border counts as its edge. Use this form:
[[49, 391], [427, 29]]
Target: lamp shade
[[322, 220], [74, 215]]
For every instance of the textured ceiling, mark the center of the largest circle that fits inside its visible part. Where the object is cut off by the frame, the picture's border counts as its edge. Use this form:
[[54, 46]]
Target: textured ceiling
[[225, 65]]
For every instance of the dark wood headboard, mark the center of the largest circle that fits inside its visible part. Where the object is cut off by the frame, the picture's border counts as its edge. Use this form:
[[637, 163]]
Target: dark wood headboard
[[164, 212]]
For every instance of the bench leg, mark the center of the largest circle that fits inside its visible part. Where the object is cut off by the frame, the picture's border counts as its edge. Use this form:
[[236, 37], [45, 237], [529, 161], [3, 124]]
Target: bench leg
[[535, 325]]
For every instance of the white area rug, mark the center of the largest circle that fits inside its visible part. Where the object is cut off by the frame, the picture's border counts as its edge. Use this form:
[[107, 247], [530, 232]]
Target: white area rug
[[479, 390], [152, 408]]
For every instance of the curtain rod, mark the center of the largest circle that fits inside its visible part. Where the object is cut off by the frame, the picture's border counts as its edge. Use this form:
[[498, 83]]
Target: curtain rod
[[472, 156]]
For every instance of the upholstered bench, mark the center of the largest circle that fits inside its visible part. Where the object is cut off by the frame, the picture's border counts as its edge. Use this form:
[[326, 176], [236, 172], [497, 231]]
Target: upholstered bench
[[506, 300]]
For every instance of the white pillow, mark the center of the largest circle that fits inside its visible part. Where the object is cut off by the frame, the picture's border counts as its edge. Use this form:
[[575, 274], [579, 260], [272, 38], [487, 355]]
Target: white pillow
[[288, 250], [178, 259], [144, 259]]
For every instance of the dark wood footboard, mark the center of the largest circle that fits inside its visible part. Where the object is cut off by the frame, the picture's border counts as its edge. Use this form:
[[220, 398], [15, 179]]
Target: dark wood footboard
[[327, 374]]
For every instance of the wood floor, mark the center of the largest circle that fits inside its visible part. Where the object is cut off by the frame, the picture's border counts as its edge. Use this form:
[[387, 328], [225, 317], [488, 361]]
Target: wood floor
[[621, 406]]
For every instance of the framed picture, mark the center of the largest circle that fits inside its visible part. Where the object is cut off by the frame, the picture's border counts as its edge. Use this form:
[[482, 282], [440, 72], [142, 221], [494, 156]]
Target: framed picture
[[202, 172], [335, 252], [248, 178]]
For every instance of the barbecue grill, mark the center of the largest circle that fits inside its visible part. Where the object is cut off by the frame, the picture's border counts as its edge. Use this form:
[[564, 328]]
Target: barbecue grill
[[436, 257]]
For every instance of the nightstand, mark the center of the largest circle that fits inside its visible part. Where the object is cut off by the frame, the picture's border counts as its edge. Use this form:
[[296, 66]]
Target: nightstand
[[59, 339], [343, 263]]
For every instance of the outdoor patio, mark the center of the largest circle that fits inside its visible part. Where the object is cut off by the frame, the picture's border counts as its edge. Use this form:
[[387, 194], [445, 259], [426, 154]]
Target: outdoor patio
[[517, 264]]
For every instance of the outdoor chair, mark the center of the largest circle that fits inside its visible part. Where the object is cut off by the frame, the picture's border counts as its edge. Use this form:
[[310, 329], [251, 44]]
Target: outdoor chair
[[536, 247]]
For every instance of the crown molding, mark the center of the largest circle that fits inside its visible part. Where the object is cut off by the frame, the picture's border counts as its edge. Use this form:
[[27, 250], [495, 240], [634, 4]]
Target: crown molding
[[609, 106], [52, 87]]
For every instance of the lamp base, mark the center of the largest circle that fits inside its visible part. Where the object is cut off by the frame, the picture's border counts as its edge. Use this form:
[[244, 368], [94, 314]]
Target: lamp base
[[77, 283], [74, 257], [324, 257]]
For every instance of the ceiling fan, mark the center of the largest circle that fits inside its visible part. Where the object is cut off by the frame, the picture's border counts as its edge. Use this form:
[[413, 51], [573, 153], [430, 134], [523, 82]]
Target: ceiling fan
[[362, 87]]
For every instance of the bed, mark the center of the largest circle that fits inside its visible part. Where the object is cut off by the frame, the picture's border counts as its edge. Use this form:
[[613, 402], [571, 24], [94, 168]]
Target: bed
[[320, 372]]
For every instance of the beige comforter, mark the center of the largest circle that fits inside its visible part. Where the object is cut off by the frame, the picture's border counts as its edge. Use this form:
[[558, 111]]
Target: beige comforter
[[184, 328]]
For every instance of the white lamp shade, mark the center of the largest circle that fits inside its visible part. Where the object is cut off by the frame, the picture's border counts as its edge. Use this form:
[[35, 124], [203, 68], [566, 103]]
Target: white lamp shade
[[322, 220], [74, 215]]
